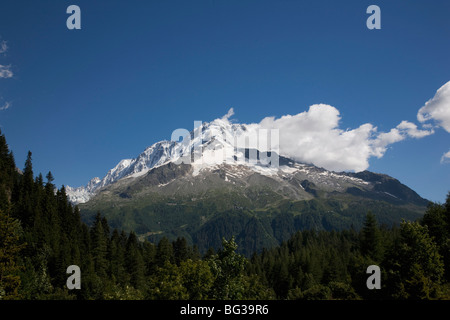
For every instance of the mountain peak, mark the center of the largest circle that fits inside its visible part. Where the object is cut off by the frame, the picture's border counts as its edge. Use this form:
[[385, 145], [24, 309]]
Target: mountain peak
[[210, 143]]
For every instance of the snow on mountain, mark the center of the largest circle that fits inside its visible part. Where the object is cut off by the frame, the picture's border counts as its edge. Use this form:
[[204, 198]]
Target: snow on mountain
[[208, 145], [155, 155], [83, 194]]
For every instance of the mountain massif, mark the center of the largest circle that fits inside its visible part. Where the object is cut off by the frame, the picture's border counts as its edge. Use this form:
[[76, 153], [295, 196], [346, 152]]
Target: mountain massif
[[42, 234], [207, 187]]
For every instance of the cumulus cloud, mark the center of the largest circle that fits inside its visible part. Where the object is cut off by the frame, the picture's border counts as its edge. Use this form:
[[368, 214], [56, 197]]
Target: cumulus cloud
[[437, 109], [5, 72], [445, 157], [411, 130], [314, 137]]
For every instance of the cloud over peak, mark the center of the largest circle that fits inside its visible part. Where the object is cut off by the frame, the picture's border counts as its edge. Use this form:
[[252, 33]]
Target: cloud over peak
[[314, 136]]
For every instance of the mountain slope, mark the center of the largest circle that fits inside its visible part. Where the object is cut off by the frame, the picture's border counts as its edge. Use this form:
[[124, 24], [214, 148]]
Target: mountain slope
[[206, 187]]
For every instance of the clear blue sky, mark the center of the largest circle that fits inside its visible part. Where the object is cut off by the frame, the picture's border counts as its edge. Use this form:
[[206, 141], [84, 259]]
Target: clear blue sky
[[82, 100]]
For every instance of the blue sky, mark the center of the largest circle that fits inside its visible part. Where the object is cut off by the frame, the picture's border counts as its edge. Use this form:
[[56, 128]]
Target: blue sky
[[82, 100]]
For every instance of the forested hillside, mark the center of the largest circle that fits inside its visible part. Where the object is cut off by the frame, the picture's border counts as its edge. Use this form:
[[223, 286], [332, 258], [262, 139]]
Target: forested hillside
[[41, 234]]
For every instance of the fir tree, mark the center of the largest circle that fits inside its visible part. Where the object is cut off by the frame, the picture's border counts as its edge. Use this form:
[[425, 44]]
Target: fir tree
[[99, 247], [164, 252], [134, 262], [180, 250], [371, 242], [24, 207]]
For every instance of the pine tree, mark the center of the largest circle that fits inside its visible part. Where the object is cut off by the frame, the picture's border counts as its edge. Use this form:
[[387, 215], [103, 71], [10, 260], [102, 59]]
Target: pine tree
[[148, 254], [134, 262], [99, 247], [180, 250], [24, 208], [371, 242], [164, 252], [7, 168], [116, 257]]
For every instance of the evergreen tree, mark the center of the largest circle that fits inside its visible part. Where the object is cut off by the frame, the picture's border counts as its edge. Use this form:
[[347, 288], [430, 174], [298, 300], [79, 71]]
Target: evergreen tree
[[99, 247], [149, 254], [371, 242], [134, 262], [164, 252], [414, 264], [116, 257], [24, 207], [180, 250]]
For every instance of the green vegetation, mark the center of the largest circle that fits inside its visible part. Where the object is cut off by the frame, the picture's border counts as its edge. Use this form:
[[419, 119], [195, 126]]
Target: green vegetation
[[332, 264], [203, 224], [259, 211], [290, 253]]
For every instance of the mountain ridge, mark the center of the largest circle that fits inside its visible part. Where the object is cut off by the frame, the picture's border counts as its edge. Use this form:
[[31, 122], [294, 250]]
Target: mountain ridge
[[206, 187]]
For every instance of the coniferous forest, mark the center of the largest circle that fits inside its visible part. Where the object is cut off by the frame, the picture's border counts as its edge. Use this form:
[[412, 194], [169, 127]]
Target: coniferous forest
[[41, 234]]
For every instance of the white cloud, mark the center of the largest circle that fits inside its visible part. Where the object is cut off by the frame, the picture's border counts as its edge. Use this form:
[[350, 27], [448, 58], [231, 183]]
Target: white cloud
[[314, 136], [383, 140], [5, 72], [3, 47], [229, 114], [446, 157], [437, 108], [411, 130], [5, 106]]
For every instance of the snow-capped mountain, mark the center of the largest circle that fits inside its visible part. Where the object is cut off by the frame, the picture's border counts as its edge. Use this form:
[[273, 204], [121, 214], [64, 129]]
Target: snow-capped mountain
[[226, 179], [219, 141], [157, 154], [242, 156]]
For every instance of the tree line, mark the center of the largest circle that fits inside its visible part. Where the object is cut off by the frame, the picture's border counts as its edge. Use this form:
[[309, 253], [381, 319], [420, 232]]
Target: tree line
[[413, 258], [41, 234]]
